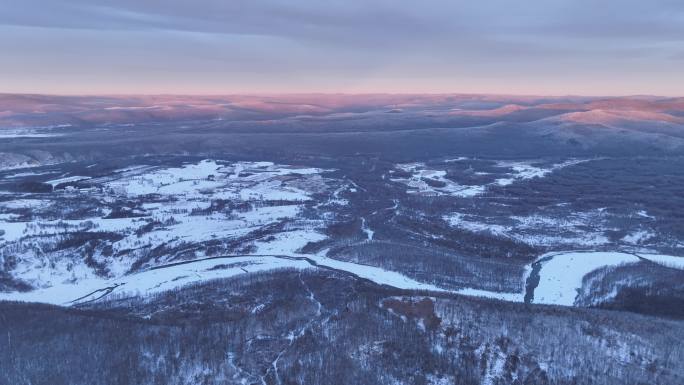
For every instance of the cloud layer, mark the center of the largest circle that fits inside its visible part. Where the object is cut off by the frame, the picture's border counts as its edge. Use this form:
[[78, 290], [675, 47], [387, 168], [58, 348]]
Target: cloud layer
[[217, 46]]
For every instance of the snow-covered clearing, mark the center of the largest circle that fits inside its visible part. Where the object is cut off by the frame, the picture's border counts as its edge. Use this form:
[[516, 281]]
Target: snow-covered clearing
[[527, 170], [375, 274], [561, 274], [434, 182], [155, 280], [243, 180], [20, 203], [638, 237], [287, 243], [584, 229], [236, 205], [68, 179], [367, 230], [24, 133], [428, 180]]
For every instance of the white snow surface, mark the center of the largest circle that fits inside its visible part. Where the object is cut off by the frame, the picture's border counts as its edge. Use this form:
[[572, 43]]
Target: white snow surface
[[665, 260], [375, 274], [270, 194], [154, 281], [75, 178], [441, 185], [287, 243], [638, 237], [244, 180], [526, 170], [366, 229], [163, 278], [420, 173], [560, 278], [24, 133], [24, 204], [585, 229], [502, 296], [25, 174]]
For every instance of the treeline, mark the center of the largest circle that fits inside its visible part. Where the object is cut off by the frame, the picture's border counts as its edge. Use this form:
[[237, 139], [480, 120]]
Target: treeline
[[646, 288], [294, 327]]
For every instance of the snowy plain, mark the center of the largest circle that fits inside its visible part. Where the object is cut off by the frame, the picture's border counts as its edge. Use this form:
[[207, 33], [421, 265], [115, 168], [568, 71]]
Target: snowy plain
[[275, 194]]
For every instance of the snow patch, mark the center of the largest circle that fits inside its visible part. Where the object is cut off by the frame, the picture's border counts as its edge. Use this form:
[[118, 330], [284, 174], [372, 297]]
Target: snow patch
[[583, 228], [665, 260], [430, 181], [68, 179]]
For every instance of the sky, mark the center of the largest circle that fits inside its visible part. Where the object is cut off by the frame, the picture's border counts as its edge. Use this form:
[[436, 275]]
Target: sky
[[534, 47]]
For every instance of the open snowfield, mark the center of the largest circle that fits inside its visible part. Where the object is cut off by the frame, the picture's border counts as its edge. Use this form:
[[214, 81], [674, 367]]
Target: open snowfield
[[586, 229], [192, 211], [664, 260], [164, 278], [434, 182], [428, 180], [153, 281], [561, 274]]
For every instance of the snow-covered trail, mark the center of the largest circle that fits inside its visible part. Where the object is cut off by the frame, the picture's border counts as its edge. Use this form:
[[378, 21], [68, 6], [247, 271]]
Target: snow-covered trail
[[366, 229]]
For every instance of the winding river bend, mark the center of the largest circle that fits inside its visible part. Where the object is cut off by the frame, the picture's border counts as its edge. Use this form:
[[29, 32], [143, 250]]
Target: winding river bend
[[551, 279]]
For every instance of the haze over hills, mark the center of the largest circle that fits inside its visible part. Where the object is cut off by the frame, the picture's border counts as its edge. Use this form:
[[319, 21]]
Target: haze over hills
[[571, 125], [21, 110]]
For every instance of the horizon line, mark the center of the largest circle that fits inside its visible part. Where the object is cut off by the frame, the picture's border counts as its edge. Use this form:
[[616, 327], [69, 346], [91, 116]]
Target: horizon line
[[318, 93]]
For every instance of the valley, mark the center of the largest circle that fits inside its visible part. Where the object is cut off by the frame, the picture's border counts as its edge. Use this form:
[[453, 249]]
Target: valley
[[477, 241]]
